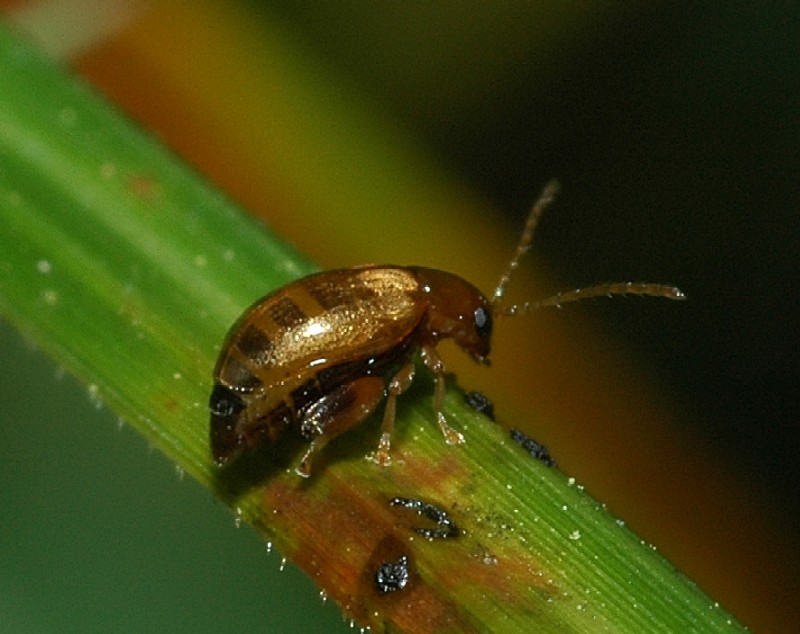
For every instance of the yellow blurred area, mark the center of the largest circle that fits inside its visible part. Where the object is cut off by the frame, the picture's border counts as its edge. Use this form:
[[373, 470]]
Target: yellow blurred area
[[244, 100]]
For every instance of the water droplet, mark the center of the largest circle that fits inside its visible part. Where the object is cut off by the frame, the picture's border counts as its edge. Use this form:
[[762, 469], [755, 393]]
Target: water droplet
[[289, 267], [180, 472], [282, 565], [575, 535], [50, 297], [269, 548], [94, 396], [323, 595], [108, 170]]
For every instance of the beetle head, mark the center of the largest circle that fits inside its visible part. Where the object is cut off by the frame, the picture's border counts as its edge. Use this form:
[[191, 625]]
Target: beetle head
[[457, 309]]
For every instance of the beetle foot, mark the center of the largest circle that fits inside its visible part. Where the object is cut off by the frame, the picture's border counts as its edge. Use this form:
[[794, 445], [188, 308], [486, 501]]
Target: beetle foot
[[382, 455], [303, 469], [451, 436]]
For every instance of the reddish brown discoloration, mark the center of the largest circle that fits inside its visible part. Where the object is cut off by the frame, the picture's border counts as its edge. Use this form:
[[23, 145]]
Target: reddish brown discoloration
[[145, 187], [351, 539], [346, 534]]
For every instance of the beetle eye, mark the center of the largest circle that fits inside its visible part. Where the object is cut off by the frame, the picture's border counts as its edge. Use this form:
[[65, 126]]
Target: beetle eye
[[483, 321]]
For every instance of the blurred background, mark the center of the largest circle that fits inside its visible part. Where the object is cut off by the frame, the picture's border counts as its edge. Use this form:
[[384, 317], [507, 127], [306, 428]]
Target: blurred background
[[421, 132]]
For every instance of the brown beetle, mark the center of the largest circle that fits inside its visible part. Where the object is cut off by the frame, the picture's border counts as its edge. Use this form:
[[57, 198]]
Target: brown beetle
[[318, 355]]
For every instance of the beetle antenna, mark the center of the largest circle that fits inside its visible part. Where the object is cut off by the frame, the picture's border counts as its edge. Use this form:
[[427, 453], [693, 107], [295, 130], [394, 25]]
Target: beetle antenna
[[601, 290], [545, 199]]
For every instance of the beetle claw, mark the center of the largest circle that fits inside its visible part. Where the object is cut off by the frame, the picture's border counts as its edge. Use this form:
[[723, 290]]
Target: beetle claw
[[303, 469], [451, 436], [382, 455]]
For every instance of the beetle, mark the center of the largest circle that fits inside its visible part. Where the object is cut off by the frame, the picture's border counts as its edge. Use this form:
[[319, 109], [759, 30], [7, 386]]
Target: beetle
[[316, 357]]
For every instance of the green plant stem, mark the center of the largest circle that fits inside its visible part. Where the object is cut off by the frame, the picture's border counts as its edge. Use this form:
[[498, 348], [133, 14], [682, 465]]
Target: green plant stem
[[128, 270]]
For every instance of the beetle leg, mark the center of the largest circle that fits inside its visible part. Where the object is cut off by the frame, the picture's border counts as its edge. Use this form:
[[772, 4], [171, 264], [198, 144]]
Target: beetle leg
[[399, 384], [343, 408], [434, 363]]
